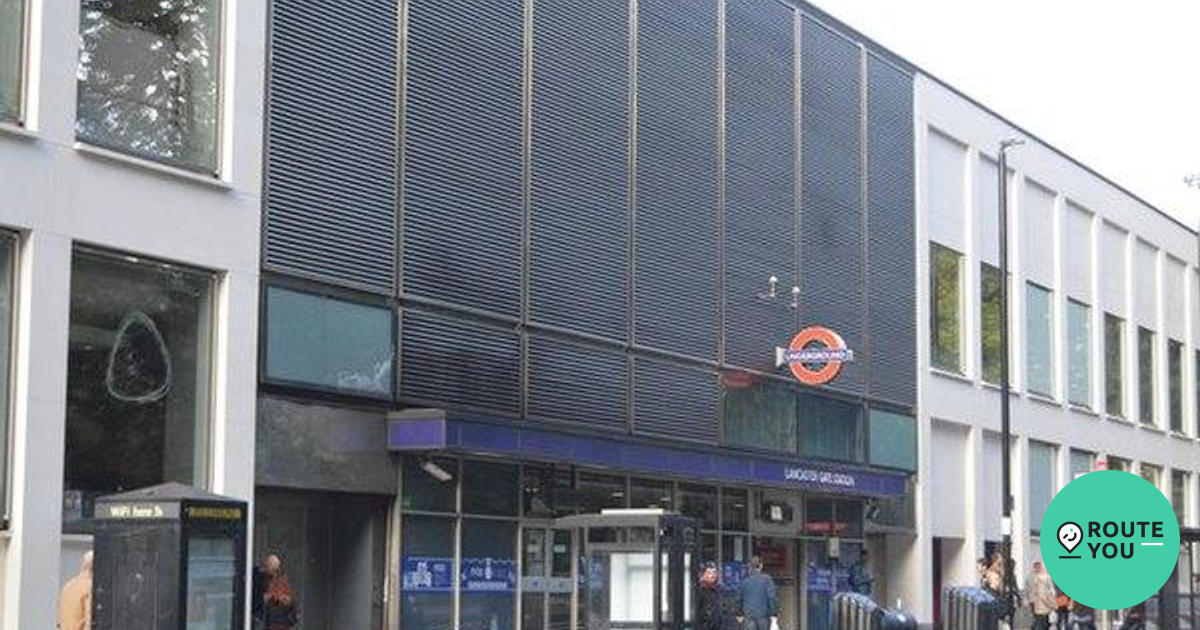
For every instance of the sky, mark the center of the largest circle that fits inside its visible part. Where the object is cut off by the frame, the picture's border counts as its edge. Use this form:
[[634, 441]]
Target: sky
[[1114, 85]]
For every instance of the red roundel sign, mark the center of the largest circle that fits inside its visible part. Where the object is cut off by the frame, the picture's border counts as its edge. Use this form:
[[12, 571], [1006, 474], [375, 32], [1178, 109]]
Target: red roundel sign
[[815, 355]]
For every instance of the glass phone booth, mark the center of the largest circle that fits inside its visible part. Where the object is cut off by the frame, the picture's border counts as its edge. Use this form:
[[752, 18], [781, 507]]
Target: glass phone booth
[[636, 569]]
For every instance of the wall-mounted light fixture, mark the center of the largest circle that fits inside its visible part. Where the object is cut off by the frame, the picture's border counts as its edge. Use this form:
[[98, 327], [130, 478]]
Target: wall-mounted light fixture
[[773, 292], [435, 471]]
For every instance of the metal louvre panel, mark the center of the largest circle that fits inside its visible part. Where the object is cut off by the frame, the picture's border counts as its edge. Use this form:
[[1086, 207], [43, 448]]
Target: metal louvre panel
[[891, 249], [331, 143], [675, 401], [760, 161], [457, 362], [577, 384], [678, 258], [464, 166], [579, 213], [831, 216]]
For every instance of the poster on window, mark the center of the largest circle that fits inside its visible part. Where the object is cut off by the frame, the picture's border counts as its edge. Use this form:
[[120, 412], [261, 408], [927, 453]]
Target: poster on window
[[820, 581], [489, 574], [732, 574], [426, 574]]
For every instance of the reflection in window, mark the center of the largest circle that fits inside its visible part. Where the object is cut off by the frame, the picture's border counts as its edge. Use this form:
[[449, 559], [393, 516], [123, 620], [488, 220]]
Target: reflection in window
[[489, 488], [1042, 482], [699, 502], [1147, 358], [427, 572], [148, 79], [1175, 383], [421, 490], [328, 343], [989, 323], [138, 382], [1114, 365], [488, 576], [1153, 474], [646, 493], [1082, 463], [1179, 494], [7, 273], [945, 297], [12, 62], [832, 429], [1079, 353], [760, 413], [547, 491], [735, 510], [893, 440], [1039, 340]]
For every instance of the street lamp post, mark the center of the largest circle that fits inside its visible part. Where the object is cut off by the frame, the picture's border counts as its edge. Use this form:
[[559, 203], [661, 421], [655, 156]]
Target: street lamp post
[[1005, 427]]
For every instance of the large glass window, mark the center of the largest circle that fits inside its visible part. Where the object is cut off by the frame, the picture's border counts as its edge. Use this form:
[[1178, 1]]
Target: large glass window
[[699, 502], [139, 376], [488, 575], [1153, 474], [832, 429], [429, 484], [735, 510], [149, 79], [1079, 353], [7, 273], [893, 440], [1114, 365], [1120, 463], [648, 493], [489, 488], [1179, 494], [427, 572], [1082, 463], [1043, 482], [328, 343], [1039, 340], [989, 323], [945, 297], [12, 58], [1175, 383], [761, 414], [1146, 378]]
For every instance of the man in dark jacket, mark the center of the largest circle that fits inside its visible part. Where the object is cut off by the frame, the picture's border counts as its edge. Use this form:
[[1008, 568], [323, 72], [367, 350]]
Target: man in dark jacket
[[709, 615], [758, 599]]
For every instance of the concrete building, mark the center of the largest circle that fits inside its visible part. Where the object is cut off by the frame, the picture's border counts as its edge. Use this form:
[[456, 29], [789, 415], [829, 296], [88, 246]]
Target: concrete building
[[130, 149]]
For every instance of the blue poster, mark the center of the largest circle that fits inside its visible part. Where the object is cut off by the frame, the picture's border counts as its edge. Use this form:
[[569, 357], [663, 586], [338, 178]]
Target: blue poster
[[820, 581], [732, 574], [489, 574], [426, 574]]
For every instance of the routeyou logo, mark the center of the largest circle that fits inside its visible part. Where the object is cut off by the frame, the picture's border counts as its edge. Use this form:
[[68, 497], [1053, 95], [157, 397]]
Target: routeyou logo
[[1110, 539]]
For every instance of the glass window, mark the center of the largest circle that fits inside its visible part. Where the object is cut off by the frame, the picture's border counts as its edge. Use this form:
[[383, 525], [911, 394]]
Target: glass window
[[735, 510], [489, 488], [1042, 482], [893, 440], [832, 429], [7, 273], [1175, 383], [328, 343], [149, 75], [427, 572], [1039, 340], [12, 58], [645, 493], [600, 492], [139, 376], [1179, 494], [425, 485], [211, 578], [1082, 463], [1153, 474], [1114, 365], [1146, 361], [1079, 354], [547, 491], [989, 318], [1120, 463], [699, 502], [488, 575], [761, 414], [945, 296]]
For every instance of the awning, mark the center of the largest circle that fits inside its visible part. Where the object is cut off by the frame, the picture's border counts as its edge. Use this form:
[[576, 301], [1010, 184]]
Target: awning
[[431, 430]]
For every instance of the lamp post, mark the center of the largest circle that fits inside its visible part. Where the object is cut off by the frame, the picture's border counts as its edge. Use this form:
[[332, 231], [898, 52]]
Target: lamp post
[[1005, 427]]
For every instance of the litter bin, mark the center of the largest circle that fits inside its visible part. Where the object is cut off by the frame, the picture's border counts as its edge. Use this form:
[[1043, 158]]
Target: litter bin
[[892, 619]]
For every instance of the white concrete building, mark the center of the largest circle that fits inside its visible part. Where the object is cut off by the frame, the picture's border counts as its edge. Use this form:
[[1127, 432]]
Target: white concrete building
[[1104, 343], [129, 215]]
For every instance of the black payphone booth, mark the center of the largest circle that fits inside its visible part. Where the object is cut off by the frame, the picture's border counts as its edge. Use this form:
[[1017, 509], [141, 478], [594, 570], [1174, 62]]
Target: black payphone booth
[[169, 557], [637, 569]]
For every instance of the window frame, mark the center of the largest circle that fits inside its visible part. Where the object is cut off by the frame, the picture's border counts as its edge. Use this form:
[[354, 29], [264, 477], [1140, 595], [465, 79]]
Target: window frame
[[24, 44], [936, 356], [7, 423], [1035, 525], [1122, 410], [989, 273], [313, 289], [222, 72], [1050, 341], [1152, 419], [1175, 369], [1075, 306]]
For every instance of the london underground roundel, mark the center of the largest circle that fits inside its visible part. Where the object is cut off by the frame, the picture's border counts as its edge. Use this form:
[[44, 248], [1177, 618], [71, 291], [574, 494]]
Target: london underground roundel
[[815, 355]]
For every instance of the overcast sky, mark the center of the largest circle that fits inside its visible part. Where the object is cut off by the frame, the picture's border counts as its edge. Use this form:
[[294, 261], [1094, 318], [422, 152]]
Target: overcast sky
[[1117, 86]]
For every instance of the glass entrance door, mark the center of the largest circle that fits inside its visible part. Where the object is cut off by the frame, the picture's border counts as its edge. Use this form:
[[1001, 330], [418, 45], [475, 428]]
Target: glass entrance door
[[546, 580]]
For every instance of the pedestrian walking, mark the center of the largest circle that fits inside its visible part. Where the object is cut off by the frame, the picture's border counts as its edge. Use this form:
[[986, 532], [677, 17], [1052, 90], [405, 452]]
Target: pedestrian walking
[[758, 599], [995, 574], [280, 609], [75, 600], [1062, 605], [1135, 619], [267, 569], [1083, 617], [710, 615], [1041, 597], [861, 579]]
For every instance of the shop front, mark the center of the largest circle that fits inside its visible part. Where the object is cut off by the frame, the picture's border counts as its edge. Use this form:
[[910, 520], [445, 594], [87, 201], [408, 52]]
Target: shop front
[[480, 544]]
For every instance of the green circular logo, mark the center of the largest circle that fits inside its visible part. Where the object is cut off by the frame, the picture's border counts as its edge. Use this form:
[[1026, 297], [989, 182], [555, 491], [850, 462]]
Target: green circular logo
[[1110, 539]]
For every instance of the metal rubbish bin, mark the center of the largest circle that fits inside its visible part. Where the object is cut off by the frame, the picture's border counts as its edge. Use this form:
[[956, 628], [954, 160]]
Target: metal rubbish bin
[[852, 611], [969, 608], [892, 619]]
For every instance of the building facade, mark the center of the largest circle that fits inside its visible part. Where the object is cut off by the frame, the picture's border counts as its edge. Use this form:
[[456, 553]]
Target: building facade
[[1103, 338], [130, 152], [524, 260]]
